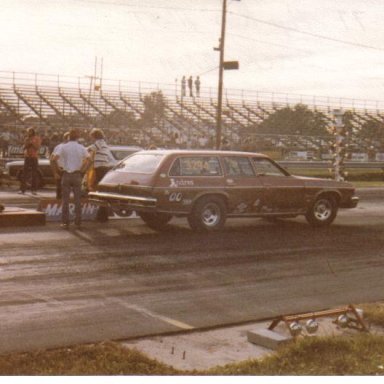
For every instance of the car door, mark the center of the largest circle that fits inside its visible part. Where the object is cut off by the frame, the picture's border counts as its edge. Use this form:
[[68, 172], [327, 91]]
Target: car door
[[283, 193], [244, 189]]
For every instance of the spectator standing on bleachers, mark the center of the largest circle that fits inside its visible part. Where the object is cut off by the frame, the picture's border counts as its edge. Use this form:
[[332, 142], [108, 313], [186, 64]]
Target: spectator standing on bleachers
[[32, 143], [190, 86], [6, 138], [183, 86], [225, 145], [54, 141], [197, 86], [45, 140]]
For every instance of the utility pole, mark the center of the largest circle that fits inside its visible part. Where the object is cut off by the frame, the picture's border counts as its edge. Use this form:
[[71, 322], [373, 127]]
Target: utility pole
[[222, 65], [221, 73], [95, 80]]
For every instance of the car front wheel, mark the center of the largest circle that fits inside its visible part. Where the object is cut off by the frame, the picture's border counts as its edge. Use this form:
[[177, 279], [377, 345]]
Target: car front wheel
[[209, 214], [322, 212], [155, 220]]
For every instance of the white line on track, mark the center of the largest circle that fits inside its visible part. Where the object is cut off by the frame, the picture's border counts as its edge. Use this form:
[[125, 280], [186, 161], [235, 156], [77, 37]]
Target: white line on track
[[154, 315]]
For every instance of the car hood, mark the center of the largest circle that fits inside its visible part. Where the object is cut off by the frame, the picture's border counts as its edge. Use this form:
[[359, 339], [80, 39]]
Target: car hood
[[316, 181]]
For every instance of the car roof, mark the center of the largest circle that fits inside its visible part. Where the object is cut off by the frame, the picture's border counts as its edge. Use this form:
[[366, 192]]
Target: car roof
[[209, 152], [124, 148]]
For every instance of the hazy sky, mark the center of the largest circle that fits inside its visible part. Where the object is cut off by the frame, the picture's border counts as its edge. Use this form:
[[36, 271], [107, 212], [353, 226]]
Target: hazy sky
[[313, 47]]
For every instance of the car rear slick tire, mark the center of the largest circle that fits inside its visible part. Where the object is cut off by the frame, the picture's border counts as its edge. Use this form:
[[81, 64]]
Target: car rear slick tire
[[208, 214], [322, 212], [156, 220]]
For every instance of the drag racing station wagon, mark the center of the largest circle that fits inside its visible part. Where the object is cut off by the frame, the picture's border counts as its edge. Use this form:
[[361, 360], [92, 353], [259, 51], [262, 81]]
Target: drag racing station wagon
[[208, 186]]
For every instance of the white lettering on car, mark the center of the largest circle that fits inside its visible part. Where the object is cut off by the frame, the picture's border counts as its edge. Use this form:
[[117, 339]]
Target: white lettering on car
[[175, 196], [173, 183], [181, 183]]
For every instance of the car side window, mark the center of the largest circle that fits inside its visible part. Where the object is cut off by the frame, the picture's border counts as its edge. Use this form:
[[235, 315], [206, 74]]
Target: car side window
[[238, 166], [196, 166], [266, 167]]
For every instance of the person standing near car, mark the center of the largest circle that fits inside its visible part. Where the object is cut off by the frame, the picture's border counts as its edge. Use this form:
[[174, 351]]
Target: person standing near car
[[6, 138], [57, 167], [32, 143], [103, 159], [74, 158]]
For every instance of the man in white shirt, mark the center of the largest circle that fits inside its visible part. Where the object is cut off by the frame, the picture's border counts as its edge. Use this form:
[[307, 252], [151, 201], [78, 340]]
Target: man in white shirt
[[58, 166], [74, 159]]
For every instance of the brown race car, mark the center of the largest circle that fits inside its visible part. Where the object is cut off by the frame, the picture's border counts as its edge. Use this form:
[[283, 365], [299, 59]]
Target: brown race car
[[207, 187]]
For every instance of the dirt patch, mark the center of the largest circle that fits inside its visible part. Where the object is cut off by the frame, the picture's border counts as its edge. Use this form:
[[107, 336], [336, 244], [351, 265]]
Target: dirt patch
[[208, 349]]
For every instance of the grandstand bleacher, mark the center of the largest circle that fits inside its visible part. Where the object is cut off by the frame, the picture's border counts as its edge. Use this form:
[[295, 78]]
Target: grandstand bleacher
[[55, 103]]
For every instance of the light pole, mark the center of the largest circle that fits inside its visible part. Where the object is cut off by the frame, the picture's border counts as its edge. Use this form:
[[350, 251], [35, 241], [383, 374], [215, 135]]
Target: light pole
[[222, 65], [221, 73]]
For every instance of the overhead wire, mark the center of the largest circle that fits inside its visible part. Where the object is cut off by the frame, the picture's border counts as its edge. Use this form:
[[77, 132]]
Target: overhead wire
[[209, 70], [146, 9], [296, 30], [114, 3], [269, 43]]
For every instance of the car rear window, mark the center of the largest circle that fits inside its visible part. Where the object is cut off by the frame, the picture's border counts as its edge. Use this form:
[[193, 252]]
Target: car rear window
[[120, 154], [141, 163]]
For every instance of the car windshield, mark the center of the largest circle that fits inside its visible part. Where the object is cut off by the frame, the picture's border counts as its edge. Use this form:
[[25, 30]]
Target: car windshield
[[140, 163], [266, 167]]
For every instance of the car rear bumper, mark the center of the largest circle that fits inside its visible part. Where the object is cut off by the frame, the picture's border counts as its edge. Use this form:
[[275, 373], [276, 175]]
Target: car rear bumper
[[118, 200]]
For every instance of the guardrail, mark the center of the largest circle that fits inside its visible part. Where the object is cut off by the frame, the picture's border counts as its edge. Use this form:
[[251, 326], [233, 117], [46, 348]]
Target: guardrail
[[327, 164]]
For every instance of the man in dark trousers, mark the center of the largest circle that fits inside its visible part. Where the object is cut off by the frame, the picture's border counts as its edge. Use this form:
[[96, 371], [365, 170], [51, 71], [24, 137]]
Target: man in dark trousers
[[74, 158], [32, 143], [57, 167]]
